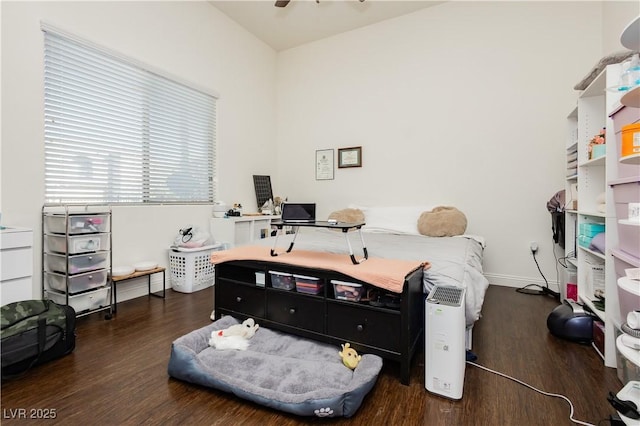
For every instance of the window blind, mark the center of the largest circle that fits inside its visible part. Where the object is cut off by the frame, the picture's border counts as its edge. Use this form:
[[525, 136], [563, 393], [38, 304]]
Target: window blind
[[116, 132]]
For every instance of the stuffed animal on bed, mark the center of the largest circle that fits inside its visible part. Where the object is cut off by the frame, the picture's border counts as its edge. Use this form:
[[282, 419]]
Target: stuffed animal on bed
[[350, 357], [442, 221], [235, 337]]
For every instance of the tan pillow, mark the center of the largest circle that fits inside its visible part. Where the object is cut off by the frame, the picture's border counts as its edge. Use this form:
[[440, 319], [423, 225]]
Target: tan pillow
[[347, 215], [442, 221]]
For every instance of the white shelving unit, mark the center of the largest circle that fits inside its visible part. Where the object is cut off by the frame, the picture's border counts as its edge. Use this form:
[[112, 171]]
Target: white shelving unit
[[590, 116]]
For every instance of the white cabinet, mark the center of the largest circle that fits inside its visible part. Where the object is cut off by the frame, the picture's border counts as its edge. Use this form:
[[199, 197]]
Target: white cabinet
[[595, 204], [239, 230], [16, 265]]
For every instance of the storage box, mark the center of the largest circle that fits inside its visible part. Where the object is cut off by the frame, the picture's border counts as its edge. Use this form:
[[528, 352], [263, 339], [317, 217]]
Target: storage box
[[591, 229], [83, 302], [629, 237], [77, 224], [282, 280], [625, 191], [76, 244], [344, 290], [623, 261], [309, 285], [77, 283], [630, 140], [191, 271], [77, 264], [628, 296], [627, 362], [598, 151]]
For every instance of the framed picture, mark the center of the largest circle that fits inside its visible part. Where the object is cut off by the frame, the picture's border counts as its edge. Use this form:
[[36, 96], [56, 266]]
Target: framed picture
[[350, 157], [324, 164]]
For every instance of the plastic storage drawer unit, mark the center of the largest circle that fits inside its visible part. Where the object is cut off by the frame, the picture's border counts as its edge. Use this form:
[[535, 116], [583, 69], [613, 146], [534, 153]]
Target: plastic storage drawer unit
[[77, 224], [282, 280], [78, 263], [76, 244], [77, 283]]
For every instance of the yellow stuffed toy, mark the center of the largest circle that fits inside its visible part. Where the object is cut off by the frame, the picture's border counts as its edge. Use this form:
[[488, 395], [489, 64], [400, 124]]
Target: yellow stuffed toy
[[350, 357]]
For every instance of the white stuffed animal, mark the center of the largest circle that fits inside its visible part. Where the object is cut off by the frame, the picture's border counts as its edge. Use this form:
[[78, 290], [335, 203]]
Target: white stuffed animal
[[235, 337]]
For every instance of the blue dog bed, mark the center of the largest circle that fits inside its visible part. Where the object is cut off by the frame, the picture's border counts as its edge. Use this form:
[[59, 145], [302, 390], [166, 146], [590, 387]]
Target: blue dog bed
[[278, 370]]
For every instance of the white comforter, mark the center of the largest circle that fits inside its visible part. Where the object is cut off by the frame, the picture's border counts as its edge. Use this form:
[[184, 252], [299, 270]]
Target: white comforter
[[455, 261]]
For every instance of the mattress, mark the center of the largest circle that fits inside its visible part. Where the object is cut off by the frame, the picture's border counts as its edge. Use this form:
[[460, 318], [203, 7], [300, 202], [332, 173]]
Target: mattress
[[455, 261]]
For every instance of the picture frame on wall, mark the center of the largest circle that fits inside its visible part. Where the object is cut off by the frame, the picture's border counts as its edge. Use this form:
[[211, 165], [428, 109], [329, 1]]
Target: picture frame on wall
[[324, 164], [350, 157]]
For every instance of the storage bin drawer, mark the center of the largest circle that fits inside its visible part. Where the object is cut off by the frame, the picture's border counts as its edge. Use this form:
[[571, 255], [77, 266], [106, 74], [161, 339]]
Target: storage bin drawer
[[282, 280], [625, 191], [627, 362], [296, 310], [76, 244], [78, 224], [364, 325], [629, 237], [78, 263], [83, 302], [244, 299], [344, 290], [308, 285], [77, 283]]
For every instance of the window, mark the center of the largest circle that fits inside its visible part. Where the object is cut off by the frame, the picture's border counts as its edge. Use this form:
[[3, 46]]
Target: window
[[116, 132]]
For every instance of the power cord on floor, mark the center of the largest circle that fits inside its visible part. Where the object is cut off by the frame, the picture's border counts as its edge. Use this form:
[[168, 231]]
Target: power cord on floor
[[542, 290], [555, 395]]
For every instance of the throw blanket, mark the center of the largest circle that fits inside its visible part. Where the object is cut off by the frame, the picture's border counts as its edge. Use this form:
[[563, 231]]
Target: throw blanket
[[385, 273]]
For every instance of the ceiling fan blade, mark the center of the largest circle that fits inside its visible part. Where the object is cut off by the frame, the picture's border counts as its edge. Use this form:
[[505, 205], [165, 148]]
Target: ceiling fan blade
[[282, 3]]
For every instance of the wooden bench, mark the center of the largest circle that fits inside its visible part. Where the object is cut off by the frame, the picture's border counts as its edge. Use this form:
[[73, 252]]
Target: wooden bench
[[138, 274]]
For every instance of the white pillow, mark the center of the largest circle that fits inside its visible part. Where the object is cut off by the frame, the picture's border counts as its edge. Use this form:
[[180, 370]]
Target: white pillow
[[392, 219]]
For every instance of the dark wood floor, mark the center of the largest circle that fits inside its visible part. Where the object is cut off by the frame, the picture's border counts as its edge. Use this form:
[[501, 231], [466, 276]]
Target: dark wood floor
[[117, 375]]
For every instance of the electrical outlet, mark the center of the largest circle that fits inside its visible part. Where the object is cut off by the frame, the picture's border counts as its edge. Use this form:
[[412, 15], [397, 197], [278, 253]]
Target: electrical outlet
[[533, 246]]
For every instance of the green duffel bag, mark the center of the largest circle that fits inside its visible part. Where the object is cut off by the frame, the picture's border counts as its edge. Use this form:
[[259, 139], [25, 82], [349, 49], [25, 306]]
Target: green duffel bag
[[33, 332]]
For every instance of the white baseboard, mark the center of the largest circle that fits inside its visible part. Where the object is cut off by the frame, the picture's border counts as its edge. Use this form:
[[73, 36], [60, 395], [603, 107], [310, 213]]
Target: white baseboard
[[139, 287], [517, 282]]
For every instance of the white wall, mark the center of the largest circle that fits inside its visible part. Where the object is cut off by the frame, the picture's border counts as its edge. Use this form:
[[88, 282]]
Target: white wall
[[616, 15], [190, 40], [464, 103]]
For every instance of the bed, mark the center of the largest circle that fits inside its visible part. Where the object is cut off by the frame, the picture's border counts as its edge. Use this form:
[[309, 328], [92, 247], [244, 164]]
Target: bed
[[455, 261], [391, 232]]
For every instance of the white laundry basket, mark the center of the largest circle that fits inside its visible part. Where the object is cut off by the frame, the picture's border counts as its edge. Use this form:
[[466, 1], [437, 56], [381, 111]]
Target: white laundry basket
[[191, 269]]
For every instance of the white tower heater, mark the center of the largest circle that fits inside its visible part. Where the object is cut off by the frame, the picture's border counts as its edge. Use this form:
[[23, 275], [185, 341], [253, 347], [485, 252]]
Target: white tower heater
[[444, 345]]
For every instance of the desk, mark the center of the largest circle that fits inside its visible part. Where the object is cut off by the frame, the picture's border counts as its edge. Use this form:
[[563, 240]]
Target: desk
[[343, 226], [139, 274]]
